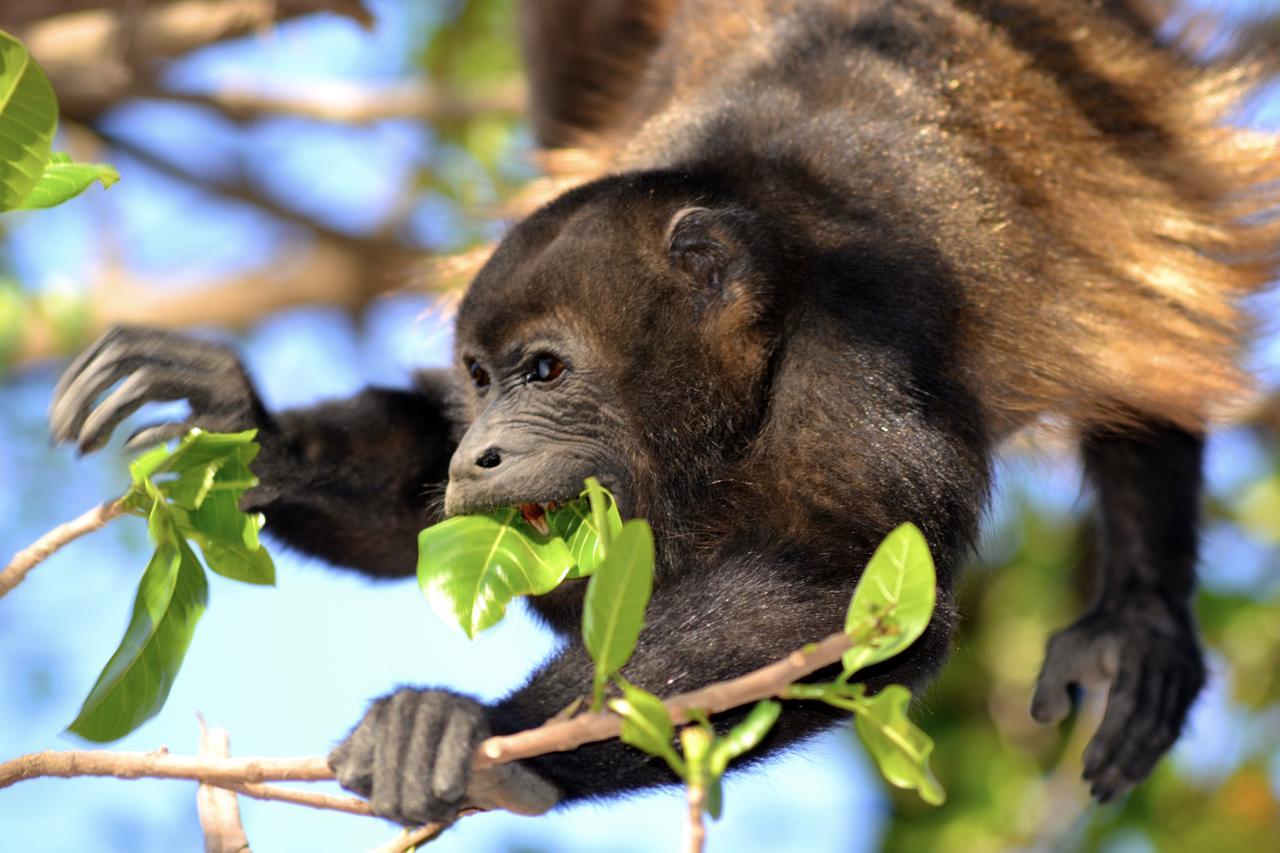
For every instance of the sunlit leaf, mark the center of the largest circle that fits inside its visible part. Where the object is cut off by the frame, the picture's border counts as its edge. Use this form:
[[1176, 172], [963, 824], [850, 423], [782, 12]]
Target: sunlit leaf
[[470, 567], [578, 523], [646, 725], [28, 119], [893, 601], [136, 680], [617, 594], [63, 179], [745, 736], [900, 749]]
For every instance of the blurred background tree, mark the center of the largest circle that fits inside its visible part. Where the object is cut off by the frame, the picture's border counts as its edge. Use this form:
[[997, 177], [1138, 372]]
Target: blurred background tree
[[290, 169]]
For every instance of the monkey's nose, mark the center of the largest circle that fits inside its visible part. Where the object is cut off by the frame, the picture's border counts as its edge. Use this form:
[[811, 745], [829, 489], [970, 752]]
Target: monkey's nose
[[490, 458]]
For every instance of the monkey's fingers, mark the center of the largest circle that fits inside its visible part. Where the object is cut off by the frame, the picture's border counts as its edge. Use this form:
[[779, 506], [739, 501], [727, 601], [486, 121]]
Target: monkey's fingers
[[1146, 707], [154, 366], [1078, 657]]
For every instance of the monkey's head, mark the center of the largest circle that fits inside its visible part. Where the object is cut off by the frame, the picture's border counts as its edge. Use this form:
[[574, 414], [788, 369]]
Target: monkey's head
[[622, 332]]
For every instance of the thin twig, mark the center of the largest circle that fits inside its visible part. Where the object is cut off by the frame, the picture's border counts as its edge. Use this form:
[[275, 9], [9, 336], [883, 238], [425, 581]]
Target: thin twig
[[409, 840], [559, 736], [44, 547], [244, 774], [310, 799], [218, 808], [696, 839], [156, 765]]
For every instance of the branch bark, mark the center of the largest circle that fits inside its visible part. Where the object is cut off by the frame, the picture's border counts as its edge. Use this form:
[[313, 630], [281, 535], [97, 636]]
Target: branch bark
[[35, 554], [217, 807]]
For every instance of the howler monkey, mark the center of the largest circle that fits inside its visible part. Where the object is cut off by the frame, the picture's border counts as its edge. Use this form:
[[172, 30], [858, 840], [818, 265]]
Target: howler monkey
[[840, 251]]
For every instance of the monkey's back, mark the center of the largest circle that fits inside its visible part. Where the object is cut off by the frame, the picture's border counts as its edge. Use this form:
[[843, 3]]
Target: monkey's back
[[1072, 169]]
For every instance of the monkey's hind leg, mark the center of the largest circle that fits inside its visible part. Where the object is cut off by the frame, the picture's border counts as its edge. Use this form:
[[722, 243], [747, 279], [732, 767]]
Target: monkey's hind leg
[[1139, 633]]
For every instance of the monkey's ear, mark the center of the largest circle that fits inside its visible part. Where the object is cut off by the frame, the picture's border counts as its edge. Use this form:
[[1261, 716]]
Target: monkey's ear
[[710, 248]]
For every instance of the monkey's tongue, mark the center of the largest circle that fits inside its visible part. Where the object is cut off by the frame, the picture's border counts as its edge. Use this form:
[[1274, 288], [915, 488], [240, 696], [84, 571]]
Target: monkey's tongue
[[536, 515]]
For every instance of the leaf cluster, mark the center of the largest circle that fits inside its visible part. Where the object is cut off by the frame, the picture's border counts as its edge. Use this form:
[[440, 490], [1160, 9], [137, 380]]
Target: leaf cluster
[[189, 494]]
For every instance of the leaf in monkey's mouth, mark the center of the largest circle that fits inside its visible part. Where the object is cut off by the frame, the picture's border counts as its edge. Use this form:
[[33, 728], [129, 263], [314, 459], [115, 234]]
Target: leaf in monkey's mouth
[[471, 566]]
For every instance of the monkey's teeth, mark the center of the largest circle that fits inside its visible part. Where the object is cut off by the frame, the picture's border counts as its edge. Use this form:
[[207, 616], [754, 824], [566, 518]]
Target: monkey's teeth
[[536, 515]]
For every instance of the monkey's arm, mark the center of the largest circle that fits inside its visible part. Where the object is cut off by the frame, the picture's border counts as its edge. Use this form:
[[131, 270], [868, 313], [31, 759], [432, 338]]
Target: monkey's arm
[[411, 753], [1139, 633], [346, 481]]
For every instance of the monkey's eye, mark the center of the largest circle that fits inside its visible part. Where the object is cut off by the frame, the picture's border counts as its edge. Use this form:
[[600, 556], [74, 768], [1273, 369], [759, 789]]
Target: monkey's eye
[[544, 368], [479, 375]]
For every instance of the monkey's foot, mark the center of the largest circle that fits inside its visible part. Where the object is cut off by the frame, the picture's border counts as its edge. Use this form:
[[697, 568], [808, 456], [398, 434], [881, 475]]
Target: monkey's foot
[[1147, 651]]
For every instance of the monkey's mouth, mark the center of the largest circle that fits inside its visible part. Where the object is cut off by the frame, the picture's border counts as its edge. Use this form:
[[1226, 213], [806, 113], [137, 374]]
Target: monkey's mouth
[[536, 514]]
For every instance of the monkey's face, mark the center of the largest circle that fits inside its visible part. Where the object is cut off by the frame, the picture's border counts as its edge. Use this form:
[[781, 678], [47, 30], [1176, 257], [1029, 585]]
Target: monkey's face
[[618, 334]]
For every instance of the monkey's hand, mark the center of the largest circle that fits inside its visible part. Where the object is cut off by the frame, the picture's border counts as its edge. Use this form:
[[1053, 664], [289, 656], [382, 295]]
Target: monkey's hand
[[155, 366], [411, 757], [1148, 652]]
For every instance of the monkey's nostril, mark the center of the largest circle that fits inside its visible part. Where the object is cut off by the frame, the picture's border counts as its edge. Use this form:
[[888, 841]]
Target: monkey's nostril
[[489, 459]]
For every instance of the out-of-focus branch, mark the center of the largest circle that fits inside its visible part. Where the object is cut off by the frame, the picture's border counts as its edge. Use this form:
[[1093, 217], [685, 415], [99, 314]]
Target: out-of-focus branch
[[336, 102], [60, 32], [218, 808], [33, 555], [95, 56]]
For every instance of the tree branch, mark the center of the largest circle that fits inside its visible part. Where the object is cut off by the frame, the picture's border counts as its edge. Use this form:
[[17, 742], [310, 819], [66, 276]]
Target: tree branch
[[554, 736], [348, 104], [35, 554], [60, 32], [217, 807]]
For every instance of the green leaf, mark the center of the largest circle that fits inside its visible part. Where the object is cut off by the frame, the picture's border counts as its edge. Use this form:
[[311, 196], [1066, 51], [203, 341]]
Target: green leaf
[[646, 725], [900, 749], [63, 179], [239, 561], [471, 566], [617, 594], [578, 524], [198, 449], [893, 601], [745, 736], [136, 680], [28, 119]]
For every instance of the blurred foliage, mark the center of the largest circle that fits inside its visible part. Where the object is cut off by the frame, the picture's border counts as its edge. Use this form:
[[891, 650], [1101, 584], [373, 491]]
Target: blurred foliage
[[1014, 785], [475, 49]]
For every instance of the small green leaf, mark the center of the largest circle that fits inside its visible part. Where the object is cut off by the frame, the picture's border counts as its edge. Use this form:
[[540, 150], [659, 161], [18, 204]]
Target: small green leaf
[[63, 179], [893, 601], [577, 524], [900, 749], [471, 566], [28, 119], [617, 594], [745, 736], [646, 725], [191, 487], [239, 561], [136, 680]]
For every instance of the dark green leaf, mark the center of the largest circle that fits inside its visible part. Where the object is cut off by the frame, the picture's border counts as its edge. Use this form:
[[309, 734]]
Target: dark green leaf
[[646, 725], [136, 681], [28, 119], [893, 601], [617, 594], [900, 749], [63, 179], [470, 567]]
